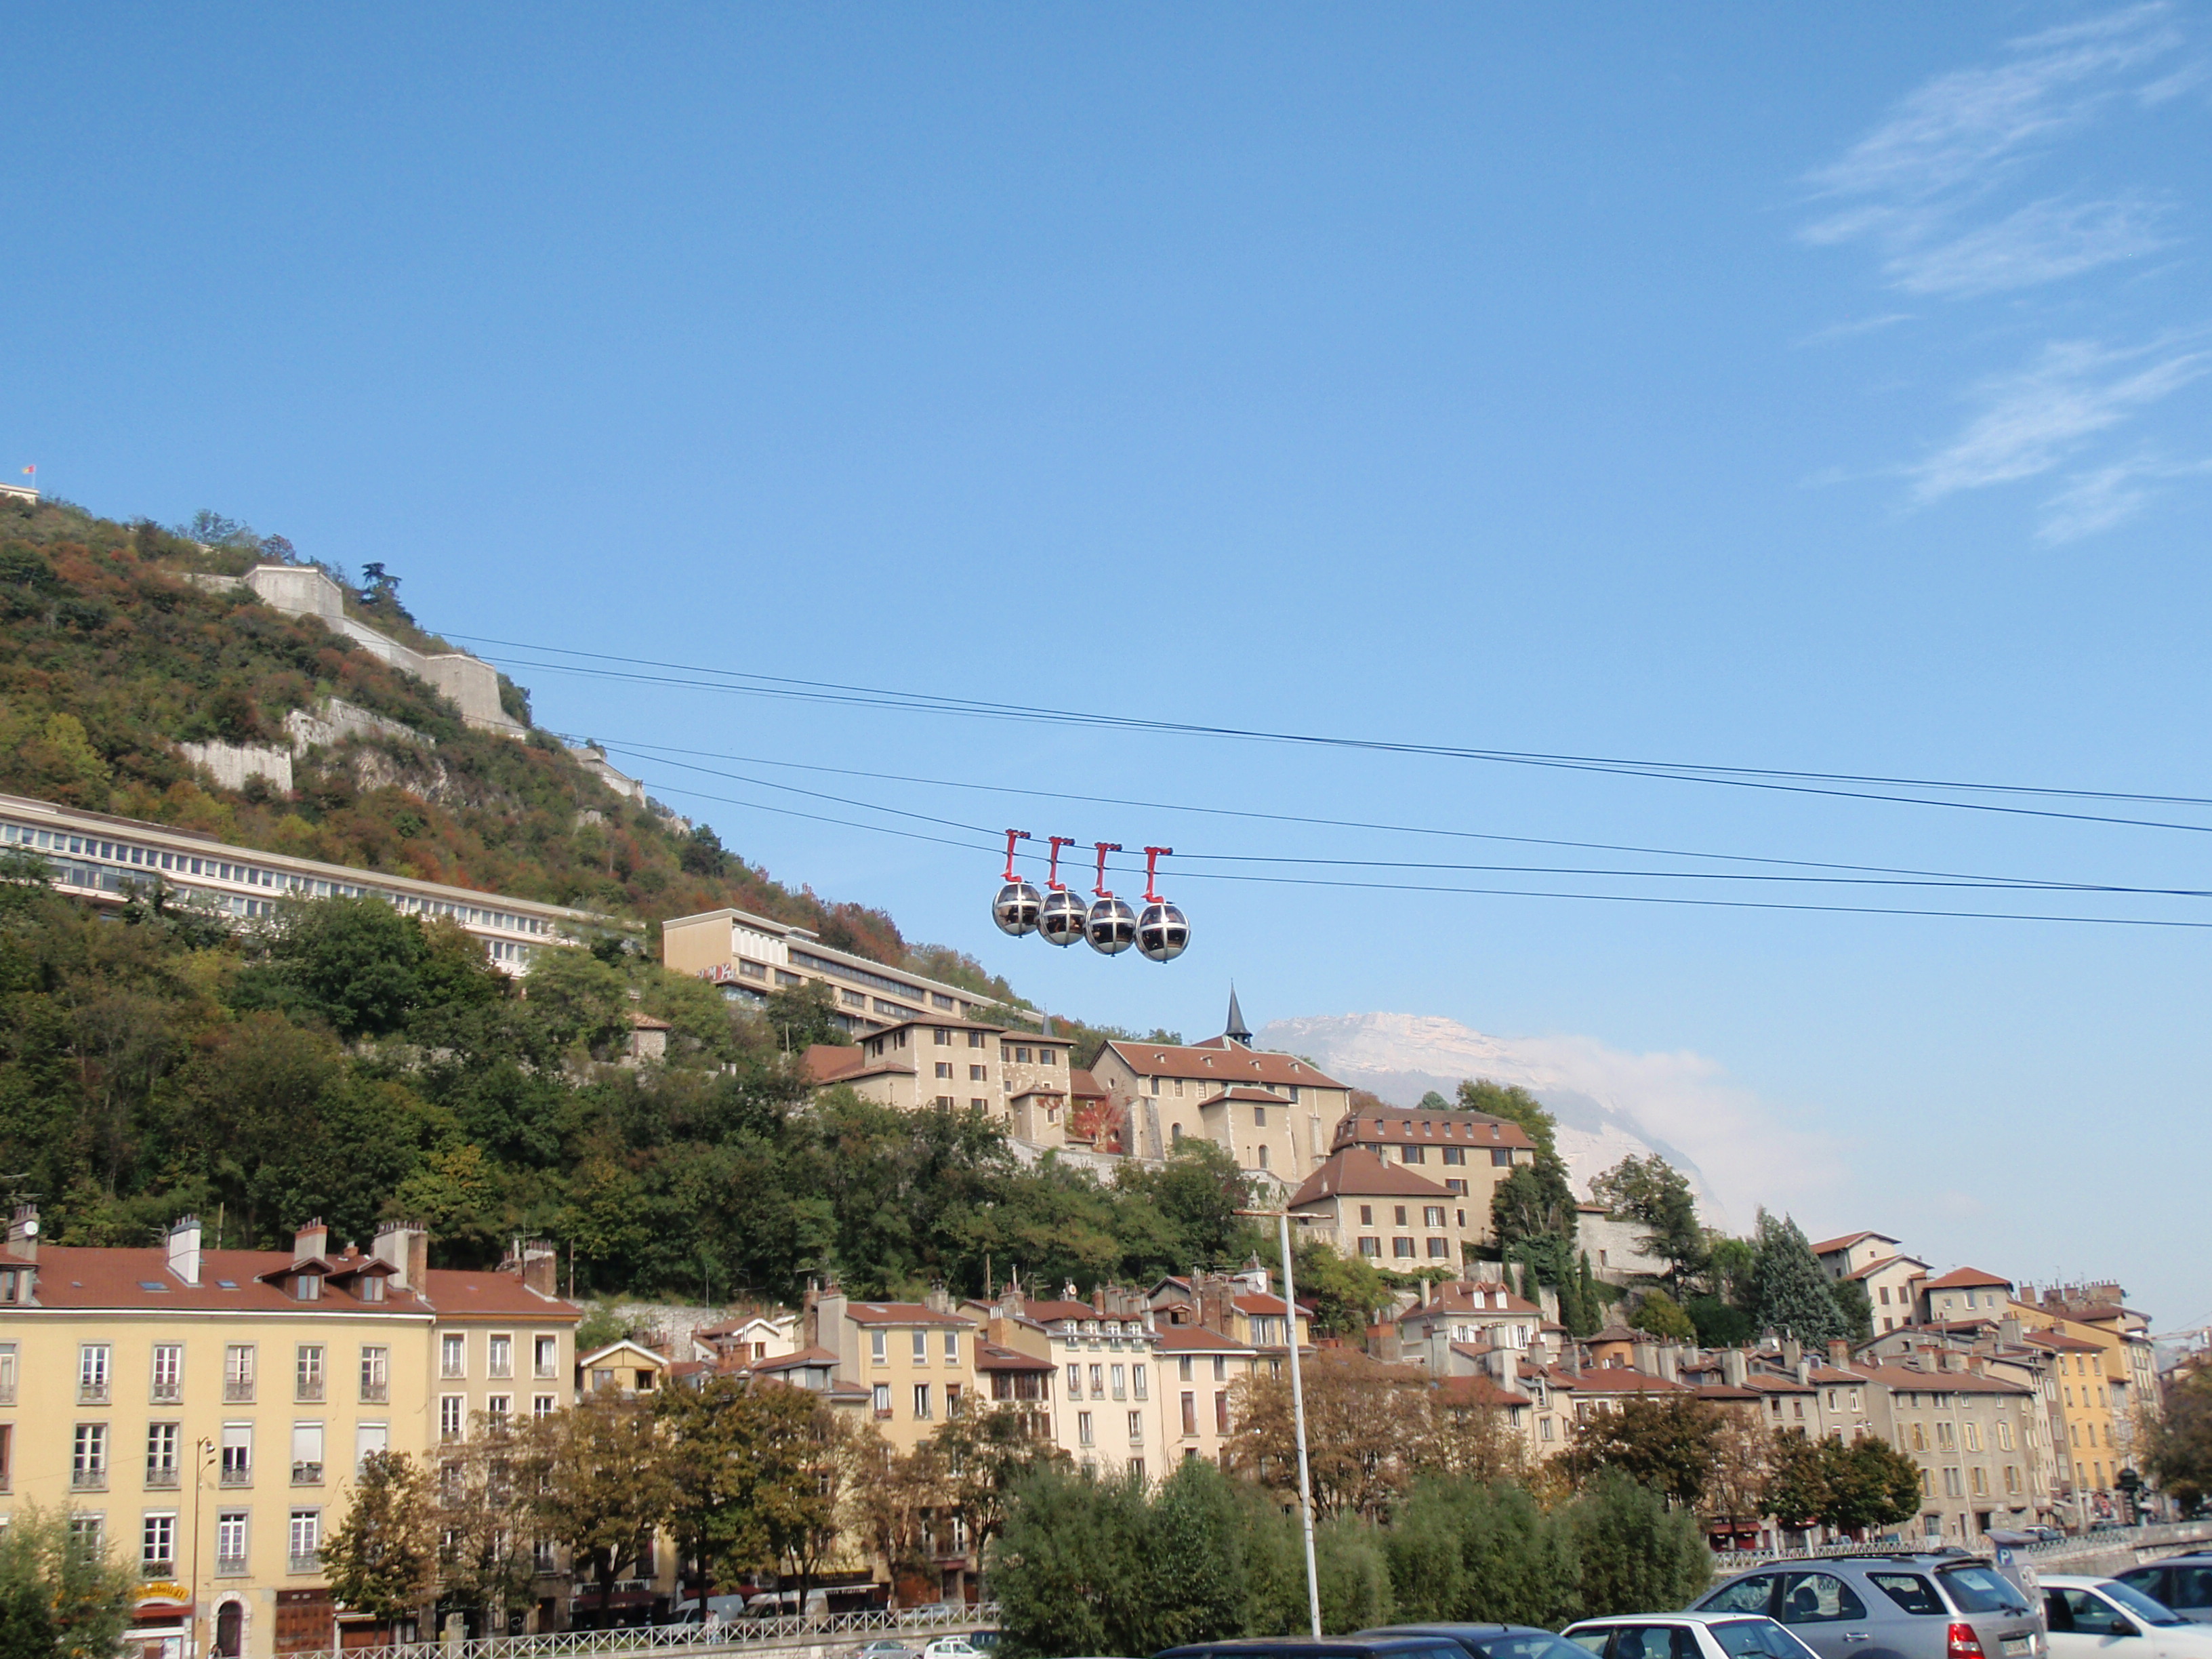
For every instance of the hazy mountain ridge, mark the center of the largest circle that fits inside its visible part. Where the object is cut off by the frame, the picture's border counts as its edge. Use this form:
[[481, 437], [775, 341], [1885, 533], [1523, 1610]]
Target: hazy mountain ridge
[[1401, 1057]]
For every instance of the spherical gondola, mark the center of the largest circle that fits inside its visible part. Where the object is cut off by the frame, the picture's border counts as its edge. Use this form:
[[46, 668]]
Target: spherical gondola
[[1111, 926], [1060, 919], [1016, 909], [1163, 934]]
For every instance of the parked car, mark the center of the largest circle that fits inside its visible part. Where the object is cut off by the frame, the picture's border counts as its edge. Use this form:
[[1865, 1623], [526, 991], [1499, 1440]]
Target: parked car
[[2091, 1617], [1684, 1636], [1490, 1641], [1375, 1644], [720, 1610], [2183, 1583], [987, 1640], [953, 1647], [1911, 1605], [882, 1648]]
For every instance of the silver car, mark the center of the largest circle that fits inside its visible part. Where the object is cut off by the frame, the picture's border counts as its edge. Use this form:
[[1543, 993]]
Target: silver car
[[1932, 1606]]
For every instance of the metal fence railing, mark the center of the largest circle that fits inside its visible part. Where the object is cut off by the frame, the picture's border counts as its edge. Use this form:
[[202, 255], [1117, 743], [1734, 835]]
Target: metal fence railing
[[2089, 1543], [736, 1636]]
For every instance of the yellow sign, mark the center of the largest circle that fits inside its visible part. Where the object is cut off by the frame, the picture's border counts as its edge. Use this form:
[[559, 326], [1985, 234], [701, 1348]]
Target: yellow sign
[[164, 1593]]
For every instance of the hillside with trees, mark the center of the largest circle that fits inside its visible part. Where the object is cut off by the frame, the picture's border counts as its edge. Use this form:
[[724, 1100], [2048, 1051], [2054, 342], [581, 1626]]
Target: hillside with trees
[[115, 656]]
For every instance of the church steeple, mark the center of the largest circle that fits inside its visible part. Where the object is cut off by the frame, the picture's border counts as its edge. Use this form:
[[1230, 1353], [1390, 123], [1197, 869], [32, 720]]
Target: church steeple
[[1236, 1032]]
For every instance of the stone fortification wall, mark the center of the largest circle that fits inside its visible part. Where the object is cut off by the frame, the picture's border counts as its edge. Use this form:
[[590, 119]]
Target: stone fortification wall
[[304, 590]]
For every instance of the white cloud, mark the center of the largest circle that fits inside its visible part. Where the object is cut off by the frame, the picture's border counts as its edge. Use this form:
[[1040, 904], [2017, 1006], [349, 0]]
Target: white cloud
[[1954, 132], [2032, 422], [2103, 496], [1748, 1152], [1857, 326], [1909, 185], [2042, 242]]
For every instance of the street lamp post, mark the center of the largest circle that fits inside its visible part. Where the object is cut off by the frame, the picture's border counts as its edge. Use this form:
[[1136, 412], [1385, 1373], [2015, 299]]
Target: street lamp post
[[1298, 1412]]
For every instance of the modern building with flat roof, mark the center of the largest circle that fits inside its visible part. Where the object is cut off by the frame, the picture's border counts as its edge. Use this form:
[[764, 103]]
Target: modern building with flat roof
[[106, 859], [749, 956]]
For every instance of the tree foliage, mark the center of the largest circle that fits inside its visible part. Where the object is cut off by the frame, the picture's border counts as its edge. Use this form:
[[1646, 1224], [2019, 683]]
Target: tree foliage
[[382, 1557], [2179, 1439], [60, 1597], [1788, 1290], [1654, 1194], [1667, 1442]]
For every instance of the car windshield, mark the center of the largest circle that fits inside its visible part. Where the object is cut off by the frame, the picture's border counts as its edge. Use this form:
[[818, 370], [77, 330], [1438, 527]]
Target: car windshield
[[1978, 1589], [1526, 1644], [1757, 1638], [2135, 1601]]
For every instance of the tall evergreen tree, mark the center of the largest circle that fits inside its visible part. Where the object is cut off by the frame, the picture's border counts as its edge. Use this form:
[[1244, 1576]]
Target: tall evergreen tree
[[1789, 1290]]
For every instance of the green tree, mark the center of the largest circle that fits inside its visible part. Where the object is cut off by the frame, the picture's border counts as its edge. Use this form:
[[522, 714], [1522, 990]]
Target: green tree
[[354, 965], [1856, 1307], [1651, 1192], [804, 1015], [1667, 1442], [382, 1558], [987, 1450], [1796, 1490], [1870, 1484], [1635, 1552], [1788, 1290], [60, 1598], [2179, 1438], [1658, 1313], [1536, 1199], [1065, 1564]]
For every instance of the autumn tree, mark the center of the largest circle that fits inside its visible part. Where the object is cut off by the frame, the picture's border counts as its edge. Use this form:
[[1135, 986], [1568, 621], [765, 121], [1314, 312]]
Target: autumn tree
[[985, 1452], [896, 1498], [1361, 1417], [1735, 1487], [483, 1513], [2179, 1439], [1656, 1195], [599, 1483], [382, 1558]]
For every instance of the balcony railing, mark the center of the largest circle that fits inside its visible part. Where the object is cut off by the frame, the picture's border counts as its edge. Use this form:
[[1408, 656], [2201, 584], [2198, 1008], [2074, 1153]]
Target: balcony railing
[[167, 1393], [230, 1566], [309, 1391], [92, 1393], [157, 1570], [238, 1391], [307, 1475], [305, 1563], [239, 1474], [161, 1476], [375, 1393], [88, 1480]]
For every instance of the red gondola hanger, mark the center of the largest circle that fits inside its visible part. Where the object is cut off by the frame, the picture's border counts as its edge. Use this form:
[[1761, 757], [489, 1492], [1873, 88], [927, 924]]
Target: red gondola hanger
[[1015, 909], [1111, 924], [1060, 917]]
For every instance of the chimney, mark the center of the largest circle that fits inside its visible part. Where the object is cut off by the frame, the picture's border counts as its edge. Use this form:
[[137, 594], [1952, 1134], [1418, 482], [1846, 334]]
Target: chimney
[[1953, 1360], [1735, 1368], [1839, 1353], [184, 1249], [311, 1241], [1805, 1369], [23, 1233], [1792, 1352], [1645, 1357], [404, 1246], [1424, 1301], [2009, 1331], [1670, 1362], [541, 1266], [939, 1300]]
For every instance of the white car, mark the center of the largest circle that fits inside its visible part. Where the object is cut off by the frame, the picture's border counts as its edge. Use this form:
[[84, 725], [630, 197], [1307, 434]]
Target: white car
[[2090, 1617], [1689, 1636], [959, 1647]]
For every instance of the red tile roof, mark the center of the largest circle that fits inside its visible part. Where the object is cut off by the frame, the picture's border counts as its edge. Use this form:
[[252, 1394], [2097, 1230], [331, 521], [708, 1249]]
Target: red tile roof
[[80, 1276], [1467, 1298], [1263, 1303], [1245, 1093], [1892, 1375], [1222, 1063], [901, 1313], [2058, 1342], [991, 1356], [1395, 1124], [825, 1062], [1083, 1085], [1362, 1174], [1828, 1246], [1479, 1391], [1962, 1277], [1197, 1338], [1873, 1267]]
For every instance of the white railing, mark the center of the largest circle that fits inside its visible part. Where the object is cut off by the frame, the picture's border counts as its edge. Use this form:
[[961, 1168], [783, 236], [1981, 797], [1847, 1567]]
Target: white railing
[[2111, 1538], [736, 1636]]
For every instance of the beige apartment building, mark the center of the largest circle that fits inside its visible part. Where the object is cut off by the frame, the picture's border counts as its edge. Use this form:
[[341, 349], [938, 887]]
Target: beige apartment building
[[1387, 1215], [201, 1412], [1891, 1278], [1270, 1112], [916, 1360], [749, 956]]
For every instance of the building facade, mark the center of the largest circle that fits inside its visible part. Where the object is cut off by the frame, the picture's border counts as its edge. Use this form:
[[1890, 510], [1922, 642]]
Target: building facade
[[749, 956]]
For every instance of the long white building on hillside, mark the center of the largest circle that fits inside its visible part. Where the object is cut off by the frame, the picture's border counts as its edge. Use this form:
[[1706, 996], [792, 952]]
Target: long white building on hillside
[[103, 859]]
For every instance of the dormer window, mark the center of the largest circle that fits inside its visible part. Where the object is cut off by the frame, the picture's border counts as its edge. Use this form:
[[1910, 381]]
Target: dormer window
[[306, 1287], [372, 1287]]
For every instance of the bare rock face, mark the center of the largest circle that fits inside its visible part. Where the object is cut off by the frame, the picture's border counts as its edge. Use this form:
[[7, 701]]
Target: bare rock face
[[1601, 1098]]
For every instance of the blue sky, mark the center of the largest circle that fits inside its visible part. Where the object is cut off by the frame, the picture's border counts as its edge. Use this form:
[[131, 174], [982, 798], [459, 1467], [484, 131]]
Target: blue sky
[[1783, 389]]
